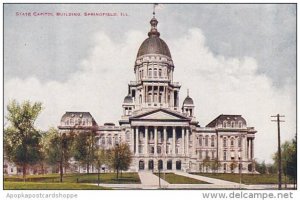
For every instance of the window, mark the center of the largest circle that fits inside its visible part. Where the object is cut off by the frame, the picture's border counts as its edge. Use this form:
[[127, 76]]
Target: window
[[240, 142], [213, 155], [159, 150], [150, 73], [155, 72], [200, 154], [71, 122], [232, 124], [225, 124], [152, 150], [224, 142], [206, 154], [127, 136], [212, 141], [206, 140], [159, 73], [200, 141], [103, 140], [109, 140], [240, 124], [224, 155], [232, 142]]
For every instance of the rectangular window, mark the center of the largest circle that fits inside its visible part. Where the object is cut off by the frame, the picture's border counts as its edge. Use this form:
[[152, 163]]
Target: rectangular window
[[224, 155], [212, 144]]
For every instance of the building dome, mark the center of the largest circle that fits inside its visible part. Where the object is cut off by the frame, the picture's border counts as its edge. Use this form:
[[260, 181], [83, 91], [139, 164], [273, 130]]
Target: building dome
[[153, 44], [188, 101], [128, 99]]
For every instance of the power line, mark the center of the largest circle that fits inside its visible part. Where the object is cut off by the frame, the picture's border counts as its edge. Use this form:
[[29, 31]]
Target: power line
[[279, 148]]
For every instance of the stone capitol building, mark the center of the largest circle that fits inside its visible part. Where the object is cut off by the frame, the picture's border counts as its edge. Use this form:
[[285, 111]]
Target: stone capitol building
[[162, 132]]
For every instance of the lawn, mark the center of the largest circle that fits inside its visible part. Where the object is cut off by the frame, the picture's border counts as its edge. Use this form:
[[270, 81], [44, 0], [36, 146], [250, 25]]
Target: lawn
[[246, 178], [177, 179], [125, 178], [8, 185]]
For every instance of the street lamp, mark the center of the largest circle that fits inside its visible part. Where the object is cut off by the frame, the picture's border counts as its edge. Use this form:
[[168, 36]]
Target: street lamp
[[240, 168]]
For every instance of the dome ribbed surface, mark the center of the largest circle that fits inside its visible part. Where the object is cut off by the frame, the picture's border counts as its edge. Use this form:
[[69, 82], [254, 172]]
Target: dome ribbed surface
[[154, 45]]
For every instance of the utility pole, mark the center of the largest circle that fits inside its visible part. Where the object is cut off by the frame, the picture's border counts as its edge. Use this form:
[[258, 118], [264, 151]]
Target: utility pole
[[279, 148]]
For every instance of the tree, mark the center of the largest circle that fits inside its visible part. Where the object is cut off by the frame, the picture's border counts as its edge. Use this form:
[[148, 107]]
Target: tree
[[261, 167], [206, 163], [233, 165], [21, 139], [121, 157], [57, 149], [289, 159], [84, 148], [101, 157], [215, 165]]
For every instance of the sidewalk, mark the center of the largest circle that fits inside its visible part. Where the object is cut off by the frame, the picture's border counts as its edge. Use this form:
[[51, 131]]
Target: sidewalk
[[151, 181]]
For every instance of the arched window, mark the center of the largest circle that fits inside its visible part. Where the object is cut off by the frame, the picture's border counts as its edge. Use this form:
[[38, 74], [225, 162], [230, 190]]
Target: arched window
[[200, 154], [159, 73], [109, 140], [232, 141], [128, 136], [150, 73], [240, 124], [155, 73], [212, 143], [206, 140], [200, 140], [232, 124], [225, 124], [224, 142]]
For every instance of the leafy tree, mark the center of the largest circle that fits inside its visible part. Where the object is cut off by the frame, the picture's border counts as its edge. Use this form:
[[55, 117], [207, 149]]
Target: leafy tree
[[21, 139], [289, 159], [101, 157], [261, 167], [233, 165], [84, 148], [121, 157], [215, 165], [206, 163], [57, 149]]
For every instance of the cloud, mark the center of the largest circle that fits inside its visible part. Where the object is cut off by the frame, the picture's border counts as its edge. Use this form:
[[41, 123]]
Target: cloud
[[217, 84]]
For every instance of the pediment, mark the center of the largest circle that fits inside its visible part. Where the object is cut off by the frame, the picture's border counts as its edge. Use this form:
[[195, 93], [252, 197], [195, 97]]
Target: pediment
[[160, 114]]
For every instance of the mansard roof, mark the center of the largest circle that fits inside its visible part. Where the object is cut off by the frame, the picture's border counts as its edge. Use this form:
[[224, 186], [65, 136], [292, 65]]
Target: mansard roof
[[221, 118]]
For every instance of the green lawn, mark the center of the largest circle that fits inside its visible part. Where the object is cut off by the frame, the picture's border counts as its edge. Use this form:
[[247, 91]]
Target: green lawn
[[49, 186], [125, 178], [246, 178], [177, 179]]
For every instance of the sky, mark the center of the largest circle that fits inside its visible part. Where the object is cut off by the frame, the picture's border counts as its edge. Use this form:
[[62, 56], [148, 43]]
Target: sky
[[233, 58]]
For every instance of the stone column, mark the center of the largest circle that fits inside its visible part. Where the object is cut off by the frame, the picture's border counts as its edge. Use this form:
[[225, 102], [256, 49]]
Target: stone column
[[194, 143], [131, 140], [252, 149], [244, 148], [155, 140], [165, 140], [136, 140], [146, 141], [174, 141], [182, 140], [187, 141]]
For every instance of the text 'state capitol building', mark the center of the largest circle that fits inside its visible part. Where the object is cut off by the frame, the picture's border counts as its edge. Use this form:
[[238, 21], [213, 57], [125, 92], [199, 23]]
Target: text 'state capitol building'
[[162, 132]]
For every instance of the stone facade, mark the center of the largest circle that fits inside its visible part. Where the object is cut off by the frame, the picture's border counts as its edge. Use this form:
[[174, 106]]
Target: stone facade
[[159, 131]]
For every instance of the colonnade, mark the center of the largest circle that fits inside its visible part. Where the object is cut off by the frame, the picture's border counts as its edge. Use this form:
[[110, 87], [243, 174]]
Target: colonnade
[[161, 140]]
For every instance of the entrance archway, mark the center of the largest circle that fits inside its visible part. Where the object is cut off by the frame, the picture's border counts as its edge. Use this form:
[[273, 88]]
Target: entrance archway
[[141, 165], [178, 164], [169, 164], [150, 165]]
